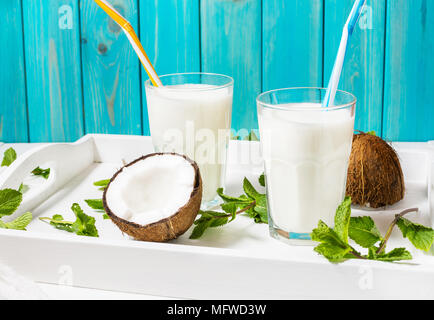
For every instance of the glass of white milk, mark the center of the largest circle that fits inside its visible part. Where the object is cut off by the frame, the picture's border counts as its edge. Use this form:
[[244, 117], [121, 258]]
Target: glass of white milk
[[306, 149], [191, 115]]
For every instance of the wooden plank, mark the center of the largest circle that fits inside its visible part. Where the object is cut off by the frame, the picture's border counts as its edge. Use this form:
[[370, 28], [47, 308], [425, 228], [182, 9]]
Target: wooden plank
[[111, 75], [363, 70], [13, 109], [409, 81], [231, 44], [292, 43], [52, 49], [169, 31]]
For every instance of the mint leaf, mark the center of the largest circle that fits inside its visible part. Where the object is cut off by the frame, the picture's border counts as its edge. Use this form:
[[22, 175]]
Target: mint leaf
[[249, 189], [332, 253], [420, 236], [200, 228], [364, 231], [102, 184], [331, 245], [208, 219], [20, 223], [44, 173], [372, 133], [231, 208], [342, 219], [59, 223], [262, 180], [259, 212], [84, 225], [10, 200], [226, 198], [95, 204], [9, 157], [398, 254]]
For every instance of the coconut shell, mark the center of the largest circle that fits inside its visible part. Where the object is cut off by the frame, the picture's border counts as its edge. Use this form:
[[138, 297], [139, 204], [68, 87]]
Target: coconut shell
[[375, 177], [169, 228]]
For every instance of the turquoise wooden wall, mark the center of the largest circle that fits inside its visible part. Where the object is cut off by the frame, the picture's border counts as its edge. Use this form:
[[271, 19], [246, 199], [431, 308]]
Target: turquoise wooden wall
[[68, 70]]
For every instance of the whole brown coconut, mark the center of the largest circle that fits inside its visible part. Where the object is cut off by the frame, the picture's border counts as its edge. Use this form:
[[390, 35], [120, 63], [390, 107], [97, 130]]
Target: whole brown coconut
[[375, 177], [168, 228]]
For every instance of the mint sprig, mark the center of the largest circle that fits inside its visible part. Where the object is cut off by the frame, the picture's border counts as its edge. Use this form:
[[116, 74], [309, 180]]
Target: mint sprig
[[334, 243], [84, 225], [10, 200], [253, 204], [9, 157]]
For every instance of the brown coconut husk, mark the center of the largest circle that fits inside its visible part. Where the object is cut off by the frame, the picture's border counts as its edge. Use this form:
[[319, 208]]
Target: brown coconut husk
[[375, 177], [166, 229]]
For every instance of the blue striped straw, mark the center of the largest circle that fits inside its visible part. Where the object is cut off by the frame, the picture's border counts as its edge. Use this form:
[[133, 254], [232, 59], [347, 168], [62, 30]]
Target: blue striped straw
[[337, 69]]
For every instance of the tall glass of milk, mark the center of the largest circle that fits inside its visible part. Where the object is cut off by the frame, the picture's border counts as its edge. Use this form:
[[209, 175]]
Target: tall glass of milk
[[306, 149], [191, 114]]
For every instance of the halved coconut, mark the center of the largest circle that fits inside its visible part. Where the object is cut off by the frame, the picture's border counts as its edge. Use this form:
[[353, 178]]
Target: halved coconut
[[156, 197]]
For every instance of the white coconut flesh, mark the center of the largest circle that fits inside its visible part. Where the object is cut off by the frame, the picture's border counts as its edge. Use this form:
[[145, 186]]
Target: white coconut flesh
[[151, 189]]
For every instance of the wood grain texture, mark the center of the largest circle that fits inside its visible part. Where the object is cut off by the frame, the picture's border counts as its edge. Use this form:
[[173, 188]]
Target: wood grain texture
[[409, 80], [169, 32], [52, 50], [292, 43], [13, 108], [364, 65], [231, 45], [111, 74]]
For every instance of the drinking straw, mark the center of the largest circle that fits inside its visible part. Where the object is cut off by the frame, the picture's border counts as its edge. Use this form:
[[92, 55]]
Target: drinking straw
[[346, 36], [134, 40]]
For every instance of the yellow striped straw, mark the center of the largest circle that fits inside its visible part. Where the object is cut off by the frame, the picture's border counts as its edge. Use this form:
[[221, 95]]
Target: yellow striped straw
[[134, 40]]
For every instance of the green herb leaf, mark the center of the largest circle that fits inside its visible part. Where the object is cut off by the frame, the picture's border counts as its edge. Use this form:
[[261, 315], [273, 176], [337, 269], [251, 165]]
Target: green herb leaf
[[342, 219], [420, 236], [372, 133], [262, 180], [231, 208], [44, 173], [331, 244], [10, 200], [259, 211], [84, 225], [200, 228], [95, 204], [226, 198], [9, 157], [102, 184], [59, 222], [333, 253], [106, 216], [364, 231], [397, 254], [250, 190], [20, 223]]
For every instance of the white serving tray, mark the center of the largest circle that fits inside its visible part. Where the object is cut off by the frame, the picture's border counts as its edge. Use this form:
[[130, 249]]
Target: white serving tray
[[237, 261]]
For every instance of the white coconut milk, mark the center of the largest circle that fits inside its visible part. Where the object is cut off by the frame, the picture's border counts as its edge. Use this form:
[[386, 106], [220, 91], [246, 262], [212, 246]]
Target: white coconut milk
[[193, 119], [306, 159]]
